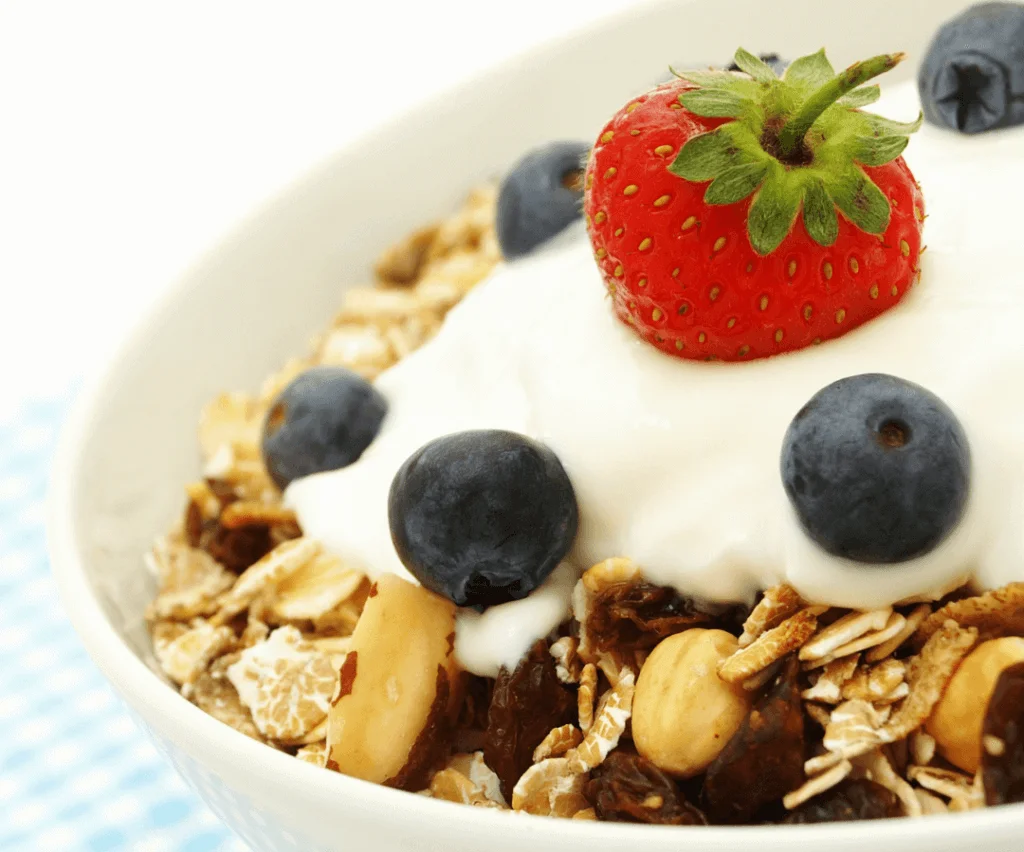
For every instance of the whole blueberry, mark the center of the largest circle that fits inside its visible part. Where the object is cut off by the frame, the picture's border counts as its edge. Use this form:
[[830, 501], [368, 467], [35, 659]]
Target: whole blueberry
[[323, 420], [482, 517], [540, 197], [972, 78], [877, 468]]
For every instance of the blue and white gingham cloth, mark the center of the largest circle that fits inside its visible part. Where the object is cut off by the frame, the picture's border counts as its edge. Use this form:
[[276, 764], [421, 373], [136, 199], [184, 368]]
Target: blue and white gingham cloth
[[75, 771]]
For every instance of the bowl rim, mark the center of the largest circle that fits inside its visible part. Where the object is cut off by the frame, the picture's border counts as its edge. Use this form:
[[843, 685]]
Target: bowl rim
[[139, 685]]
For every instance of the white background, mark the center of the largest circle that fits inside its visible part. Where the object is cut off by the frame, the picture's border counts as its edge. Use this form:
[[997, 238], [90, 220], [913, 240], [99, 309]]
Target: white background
[[133, 134]]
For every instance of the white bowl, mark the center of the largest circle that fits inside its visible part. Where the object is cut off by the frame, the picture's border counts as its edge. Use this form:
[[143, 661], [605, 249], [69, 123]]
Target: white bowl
[[256, 297]]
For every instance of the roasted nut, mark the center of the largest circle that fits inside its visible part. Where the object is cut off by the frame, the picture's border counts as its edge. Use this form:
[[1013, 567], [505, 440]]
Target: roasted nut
[[683, 713], [395, 685], [957, 721]]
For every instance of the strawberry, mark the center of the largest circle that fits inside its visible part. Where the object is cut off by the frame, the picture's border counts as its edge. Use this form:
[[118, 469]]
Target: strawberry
[[739, 215]]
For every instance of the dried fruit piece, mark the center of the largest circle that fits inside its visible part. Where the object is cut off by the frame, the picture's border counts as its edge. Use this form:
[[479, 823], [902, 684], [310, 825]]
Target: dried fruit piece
[[627, 788], [526, 704], [620, 612], [1002, 760], [848, 801], [388, 723], [764, 760]]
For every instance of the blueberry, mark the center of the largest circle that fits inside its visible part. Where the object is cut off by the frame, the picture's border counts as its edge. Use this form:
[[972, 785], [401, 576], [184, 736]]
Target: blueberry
[[482, 517], [972, 78], [540, 197], [877, 468], [773, 60], [323, 420]]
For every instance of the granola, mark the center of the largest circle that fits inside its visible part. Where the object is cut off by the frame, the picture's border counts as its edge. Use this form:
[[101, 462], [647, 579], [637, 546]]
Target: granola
[[253, 622]]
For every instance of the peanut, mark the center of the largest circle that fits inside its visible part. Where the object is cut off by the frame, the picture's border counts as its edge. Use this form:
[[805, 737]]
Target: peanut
[[683, 712], [958, 719], [401, 652]]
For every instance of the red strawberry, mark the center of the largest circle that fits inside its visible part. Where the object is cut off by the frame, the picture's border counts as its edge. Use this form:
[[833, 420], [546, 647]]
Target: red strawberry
[[731, 269]]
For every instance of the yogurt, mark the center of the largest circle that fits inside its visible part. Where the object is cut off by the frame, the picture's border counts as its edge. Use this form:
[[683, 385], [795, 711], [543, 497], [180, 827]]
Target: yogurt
[[676, 463]]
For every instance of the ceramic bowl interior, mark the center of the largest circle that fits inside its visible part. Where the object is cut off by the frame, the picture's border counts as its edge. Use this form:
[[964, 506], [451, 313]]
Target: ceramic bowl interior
[[256, 297]]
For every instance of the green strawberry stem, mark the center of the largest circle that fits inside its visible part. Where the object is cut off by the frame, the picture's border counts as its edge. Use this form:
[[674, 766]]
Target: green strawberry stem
[[793, 132], [769, 153]]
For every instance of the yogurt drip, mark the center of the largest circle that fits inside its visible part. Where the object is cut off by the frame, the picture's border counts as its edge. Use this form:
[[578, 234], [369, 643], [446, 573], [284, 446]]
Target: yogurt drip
[[675, 463]]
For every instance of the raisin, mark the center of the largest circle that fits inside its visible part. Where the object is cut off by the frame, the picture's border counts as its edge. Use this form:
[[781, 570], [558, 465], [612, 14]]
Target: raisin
[[849, 801], [627, 788], [525, 705], [471, 725], [1002, 753], [237, 549], [637, 616], [764, 760]]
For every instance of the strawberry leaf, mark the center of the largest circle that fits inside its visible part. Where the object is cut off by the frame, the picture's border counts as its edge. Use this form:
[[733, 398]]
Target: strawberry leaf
[[754, 66], [707, 156], [862, 97], [736, 183], [820, 214], [810, 71], [714, 103], [887, 127], [877, 151], [706, 79], [773, 210], [859, 199]]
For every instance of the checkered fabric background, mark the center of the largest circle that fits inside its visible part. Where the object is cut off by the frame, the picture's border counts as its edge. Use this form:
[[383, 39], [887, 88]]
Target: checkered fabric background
[[75, 771]]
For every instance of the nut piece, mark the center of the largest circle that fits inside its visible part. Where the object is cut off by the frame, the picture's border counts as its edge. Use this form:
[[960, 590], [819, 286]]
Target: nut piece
[[683, 713], [401, 657], [957, 721]]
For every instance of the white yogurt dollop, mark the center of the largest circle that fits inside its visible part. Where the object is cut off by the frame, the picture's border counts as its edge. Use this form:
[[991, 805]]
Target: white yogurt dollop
[[676, 463]]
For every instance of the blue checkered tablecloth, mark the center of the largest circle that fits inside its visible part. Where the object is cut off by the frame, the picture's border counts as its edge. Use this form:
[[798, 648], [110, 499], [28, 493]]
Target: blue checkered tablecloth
[[75, 771]]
